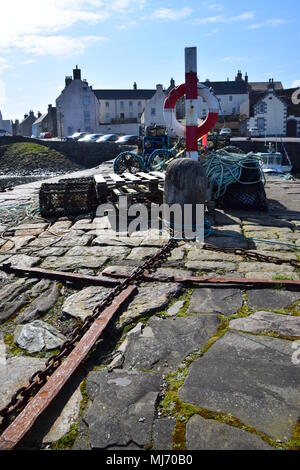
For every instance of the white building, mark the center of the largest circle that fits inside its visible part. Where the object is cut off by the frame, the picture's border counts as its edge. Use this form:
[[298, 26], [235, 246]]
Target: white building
[[121, 110], [233, 96], [153, 112], [5, 125], [77, 107], [268, 112]]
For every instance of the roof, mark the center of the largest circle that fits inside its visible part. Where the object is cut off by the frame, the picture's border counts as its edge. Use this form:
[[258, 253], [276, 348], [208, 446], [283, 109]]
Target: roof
[[263, 86], [40, 119], [256, 96], [124, 94], [228, 87]]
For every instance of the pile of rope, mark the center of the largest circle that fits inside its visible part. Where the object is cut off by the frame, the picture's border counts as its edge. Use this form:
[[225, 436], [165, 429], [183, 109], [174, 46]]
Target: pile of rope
[[224, 167]]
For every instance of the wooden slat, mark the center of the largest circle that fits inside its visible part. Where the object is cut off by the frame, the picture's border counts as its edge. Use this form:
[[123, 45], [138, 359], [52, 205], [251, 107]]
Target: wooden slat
[[147, 176], [158, 174], [131, 177], [116, 178], [100, 179]]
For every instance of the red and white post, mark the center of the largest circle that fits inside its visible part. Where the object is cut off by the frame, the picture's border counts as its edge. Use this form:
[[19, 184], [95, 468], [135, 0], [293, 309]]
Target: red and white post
[[191, 111]]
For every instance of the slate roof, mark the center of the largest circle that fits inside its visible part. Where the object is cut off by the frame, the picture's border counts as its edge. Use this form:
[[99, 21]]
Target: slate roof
[[263, 86], [40, 119], [124, 94], [228, 88]]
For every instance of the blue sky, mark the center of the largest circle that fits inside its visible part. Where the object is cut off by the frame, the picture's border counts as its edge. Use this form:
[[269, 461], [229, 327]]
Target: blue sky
[[117, 42]]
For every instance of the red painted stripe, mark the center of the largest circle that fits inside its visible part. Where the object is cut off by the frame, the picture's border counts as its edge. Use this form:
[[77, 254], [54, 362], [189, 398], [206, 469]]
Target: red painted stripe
[[191, 138], [191, 85], [208, 124], [174, 96]]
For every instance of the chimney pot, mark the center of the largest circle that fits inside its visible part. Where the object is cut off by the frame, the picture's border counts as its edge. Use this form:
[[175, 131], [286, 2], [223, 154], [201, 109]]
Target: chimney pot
[[135, 86]]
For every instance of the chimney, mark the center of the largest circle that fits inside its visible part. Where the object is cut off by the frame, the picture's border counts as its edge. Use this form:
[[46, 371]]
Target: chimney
[[135, 86], [77, 73], [31, 113], [239, 76], [246, 78], [25, 116], [68, 80], [271, 85], [159, 87], [39, 114], [172, 83]]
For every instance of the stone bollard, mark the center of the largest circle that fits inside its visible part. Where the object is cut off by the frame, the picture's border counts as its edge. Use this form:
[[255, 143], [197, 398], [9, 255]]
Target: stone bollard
[[186, 183]]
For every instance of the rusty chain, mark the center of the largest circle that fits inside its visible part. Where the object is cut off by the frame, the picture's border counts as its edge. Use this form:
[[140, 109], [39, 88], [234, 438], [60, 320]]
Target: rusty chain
[[253, 255], [22, 396]]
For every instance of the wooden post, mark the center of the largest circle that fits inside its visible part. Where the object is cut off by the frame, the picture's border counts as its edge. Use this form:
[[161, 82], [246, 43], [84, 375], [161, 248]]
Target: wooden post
[[191, 83]]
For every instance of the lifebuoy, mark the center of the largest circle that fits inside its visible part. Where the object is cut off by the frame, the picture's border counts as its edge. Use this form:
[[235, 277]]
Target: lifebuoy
[[170, 115]]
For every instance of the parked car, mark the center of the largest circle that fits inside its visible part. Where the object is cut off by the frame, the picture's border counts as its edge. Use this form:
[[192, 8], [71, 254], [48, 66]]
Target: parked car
[[128, 140], [76, 136], [108, 138], [253, 132], [90, 138], [225, 132], [45, 135]]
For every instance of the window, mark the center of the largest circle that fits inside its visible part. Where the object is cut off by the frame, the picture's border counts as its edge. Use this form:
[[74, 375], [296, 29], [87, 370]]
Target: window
[[261, 108], [153, 111], [139, 104], [131, 115], [130, 104], [86, 115], [122, 104], [107, 116], [70, 130], [107, 104], [233, 110], [230, 98], [122, 115], [86, 100]]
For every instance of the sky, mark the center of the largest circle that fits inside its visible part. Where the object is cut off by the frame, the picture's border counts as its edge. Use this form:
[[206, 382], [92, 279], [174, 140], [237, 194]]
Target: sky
[[117, 42]]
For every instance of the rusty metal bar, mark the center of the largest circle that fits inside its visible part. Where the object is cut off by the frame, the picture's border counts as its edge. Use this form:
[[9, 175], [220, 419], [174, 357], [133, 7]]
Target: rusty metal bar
[[57, 275], [26, 419], [209, 280], [101, 281]]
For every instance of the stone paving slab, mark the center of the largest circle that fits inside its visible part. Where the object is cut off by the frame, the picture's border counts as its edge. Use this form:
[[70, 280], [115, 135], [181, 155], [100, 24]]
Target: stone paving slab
[[210, 300], [252, 378], [164, 343], [207, 434], [152, 297], [122, 409], [100, 251], [162, 433], [274, 299], [210, 266], [265, 267], [268, 321], [69, 263], [37, 336]]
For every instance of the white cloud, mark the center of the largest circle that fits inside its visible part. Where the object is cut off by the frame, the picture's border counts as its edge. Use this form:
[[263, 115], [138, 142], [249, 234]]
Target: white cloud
[[33, 24], [28, 62], [170, 14], [275, 22], [3, 64], [216, 7], [2, 93], [234, 59], [254, 26], [248, 15], [56, 45], [271, 22]]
